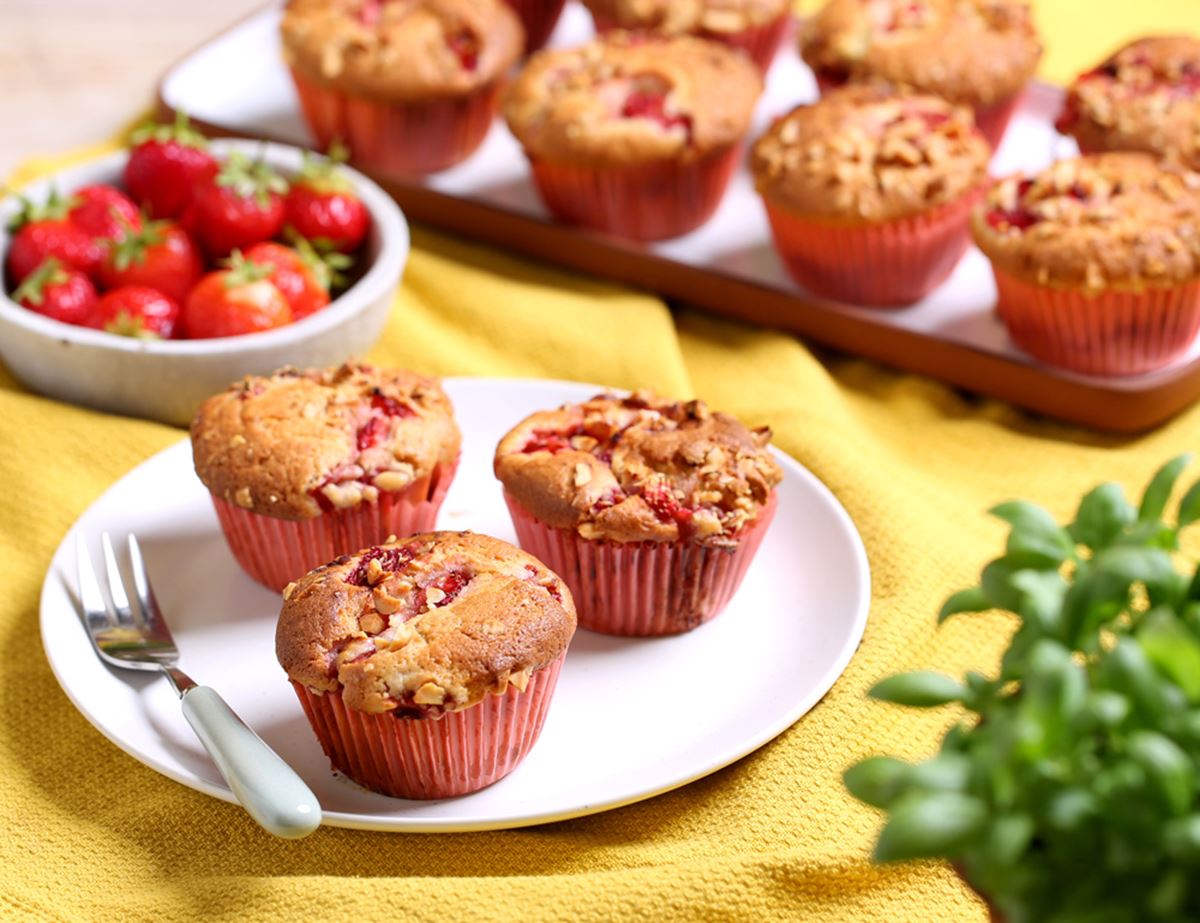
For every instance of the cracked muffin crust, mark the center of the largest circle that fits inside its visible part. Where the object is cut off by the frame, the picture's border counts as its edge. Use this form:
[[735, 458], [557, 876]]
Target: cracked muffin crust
[[402, 49], [972, 52], [299, 443], [639, 468], [864, 153], [632, 99], [1145, 97], [688, 17], [1106, 221], [430, 624]]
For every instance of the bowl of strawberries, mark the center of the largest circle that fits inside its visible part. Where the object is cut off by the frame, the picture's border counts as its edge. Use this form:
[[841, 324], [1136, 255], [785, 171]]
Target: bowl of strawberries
[[144, 281]]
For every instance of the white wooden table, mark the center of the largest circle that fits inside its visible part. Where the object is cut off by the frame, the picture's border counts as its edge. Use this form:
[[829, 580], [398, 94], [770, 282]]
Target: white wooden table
[[74, 71]]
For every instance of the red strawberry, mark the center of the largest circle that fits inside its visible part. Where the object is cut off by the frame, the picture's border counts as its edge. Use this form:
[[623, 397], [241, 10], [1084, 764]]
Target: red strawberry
[[240, 208], [323, 207], [136, 311], [166, 165], [102, 211], [161, 255], [234, 301], [43, 231], [301, 275], [59, 292]]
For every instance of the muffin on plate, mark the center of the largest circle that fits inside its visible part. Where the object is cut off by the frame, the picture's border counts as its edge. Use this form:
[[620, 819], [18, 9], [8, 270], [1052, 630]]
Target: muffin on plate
[[755, 26], [538, 17], [1145, 97], [977, 53], [651, 510], [869, 192], [426, 665], [409, 87], [306, 465], [1097, 261], [636, 135]]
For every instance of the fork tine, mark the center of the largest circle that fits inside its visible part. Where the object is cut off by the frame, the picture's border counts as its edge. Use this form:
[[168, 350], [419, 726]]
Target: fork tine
[[116, 583], [95, 609], [151, 614]]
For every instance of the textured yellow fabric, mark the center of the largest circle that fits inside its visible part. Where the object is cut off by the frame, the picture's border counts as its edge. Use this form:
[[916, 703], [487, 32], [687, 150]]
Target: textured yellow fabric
[[90, 834]]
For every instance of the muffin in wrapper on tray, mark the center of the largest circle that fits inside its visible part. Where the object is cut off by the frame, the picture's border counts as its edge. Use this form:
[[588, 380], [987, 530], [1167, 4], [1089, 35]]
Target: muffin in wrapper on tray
[[409, 88], [756, 27], [426, 665], [634, 135], [304, 466], [650, 510], [869, 192], [539, 17], [1144, 97], [976, 53], [1097, 261]]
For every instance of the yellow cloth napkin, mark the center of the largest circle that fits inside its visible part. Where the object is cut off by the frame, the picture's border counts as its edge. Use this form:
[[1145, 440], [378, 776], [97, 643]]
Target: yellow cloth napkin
[[90, 834]]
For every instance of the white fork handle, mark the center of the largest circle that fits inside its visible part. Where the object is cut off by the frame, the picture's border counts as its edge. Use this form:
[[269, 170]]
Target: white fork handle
[[267, 787]]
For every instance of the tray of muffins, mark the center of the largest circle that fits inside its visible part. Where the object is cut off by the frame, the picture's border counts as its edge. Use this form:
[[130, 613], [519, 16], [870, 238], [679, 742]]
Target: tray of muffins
[[476, 603], [885, 178]]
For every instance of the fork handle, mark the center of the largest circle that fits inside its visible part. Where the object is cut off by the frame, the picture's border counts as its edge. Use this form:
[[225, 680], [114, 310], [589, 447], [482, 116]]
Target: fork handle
[[267, 787]]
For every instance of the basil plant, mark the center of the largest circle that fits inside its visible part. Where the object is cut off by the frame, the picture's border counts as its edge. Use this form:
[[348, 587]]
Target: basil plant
[[1068, 792]]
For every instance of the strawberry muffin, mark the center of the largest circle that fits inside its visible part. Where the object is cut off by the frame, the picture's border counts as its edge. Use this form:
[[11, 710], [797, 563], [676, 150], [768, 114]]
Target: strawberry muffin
[[976, 53], [410, 87], [306, 465], [869, 193], [1146, 97], [651, 510], [754, 26], [636, 135], [539, 17], [426, 665], [1097, 261]]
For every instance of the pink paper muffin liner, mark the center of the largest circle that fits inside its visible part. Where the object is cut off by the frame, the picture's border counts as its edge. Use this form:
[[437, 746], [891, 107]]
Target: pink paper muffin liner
[[1110, 333], [642, 588], [888, 264], [992, 121], [277, 551], [759, 42], [539, 17], [646, 202], [398, 138], [455, 754]]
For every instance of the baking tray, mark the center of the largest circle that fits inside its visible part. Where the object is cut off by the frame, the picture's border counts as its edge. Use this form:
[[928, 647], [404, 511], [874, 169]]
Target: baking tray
[[236, 84]]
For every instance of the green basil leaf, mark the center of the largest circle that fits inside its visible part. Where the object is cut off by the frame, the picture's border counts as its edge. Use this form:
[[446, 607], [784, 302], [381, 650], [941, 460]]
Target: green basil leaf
[[878, 780], [1189, 506], [969, 600], [945, 772], [1070, 808], [1042, 598], [996, 579], [1127, 669], [1034, 531], [1103, 515], [920, 689], [927, 825], [1009, 837], [1173, 648], [1181, 838], [1167, 766], [1154, 500]]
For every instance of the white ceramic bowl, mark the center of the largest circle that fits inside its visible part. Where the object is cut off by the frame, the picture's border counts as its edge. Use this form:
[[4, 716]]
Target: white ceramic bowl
[[168, 379]]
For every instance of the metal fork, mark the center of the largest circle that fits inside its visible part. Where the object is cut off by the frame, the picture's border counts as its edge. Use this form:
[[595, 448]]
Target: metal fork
[[138, 639]]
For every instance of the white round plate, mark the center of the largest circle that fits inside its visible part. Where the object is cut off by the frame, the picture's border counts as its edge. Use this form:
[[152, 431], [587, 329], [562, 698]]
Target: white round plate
[[630, 719]]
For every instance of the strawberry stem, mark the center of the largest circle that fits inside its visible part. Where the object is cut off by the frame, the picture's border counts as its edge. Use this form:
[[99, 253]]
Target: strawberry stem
[[181, 132], [240, 271], [33, 289], [246, 178]]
